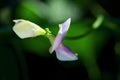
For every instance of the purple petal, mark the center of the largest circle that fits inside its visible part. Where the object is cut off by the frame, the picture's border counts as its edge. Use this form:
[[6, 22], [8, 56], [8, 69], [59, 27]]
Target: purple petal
[[65, 54], [64, 26], [61, 34]]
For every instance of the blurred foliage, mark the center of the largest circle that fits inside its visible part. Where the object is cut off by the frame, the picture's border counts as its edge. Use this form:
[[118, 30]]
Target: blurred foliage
[[94, 35]]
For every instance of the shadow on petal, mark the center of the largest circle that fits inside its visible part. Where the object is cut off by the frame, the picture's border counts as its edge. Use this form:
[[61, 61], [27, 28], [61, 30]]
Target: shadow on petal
[[63, 53]]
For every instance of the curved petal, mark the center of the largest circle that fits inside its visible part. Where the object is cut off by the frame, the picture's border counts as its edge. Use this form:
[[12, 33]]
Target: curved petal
[[61, 34], [26, 29], [65, 54]]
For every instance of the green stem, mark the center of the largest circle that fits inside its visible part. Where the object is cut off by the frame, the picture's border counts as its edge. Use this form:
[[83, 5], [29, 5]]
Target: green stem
[[80, 36], [49, 35]]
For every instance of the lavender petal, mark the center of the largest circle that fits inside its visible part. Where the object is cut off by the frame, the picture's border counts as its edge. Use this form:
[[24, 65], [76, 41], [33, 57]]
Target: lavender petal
[[61, 34], [65, 54], [64, 26]]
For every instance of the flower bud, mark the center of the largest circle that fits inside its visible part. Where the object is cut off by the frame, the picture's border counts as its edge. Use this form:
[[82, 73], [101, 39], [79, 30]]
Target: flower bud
[[26, 29]]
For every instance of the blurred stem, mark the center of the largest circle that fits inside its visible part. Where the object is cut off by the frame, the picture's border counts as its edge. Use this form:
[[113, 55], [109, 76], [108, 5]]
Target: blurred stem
[[92, 69], [111, 25], [98, 21], [80, 36], [21, 61], [97, 9]]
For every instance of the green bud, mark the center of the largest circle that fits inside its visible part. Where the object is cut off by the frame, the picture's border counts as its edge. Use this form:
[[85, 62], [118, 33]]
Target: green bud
[[98, 21]]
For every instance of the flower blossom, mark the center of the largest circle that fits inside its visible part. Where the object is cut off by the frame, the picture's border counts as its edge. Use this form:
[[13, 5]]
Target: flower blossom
[[63, 53], [26, 29]]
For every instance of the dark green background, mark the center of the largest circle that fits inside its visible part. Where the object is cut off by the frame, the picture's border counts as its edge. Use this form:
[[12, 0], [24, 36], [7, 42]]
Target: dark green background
[[29, 59]]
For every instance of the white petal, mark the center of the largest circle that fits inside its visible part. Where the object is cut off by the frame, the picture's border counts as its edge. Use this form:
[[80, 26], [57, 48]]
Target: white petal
[[25, 29]]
